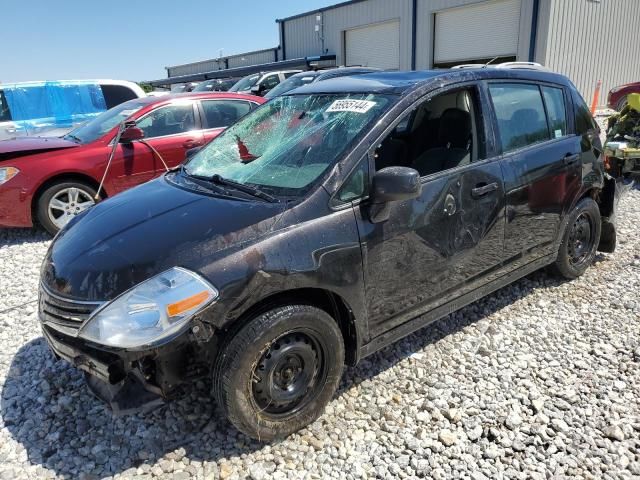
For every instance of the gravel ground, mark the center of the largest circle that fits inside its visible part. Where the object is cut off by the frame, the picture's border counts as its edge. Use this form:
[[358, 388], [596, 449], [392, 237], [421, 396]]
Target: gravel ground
[[538, 380]]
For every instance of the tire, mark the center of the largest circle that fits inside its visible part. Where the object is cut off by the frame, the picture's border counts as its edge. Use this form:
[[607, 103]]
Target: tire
[[583, 227], [62, 192], [278, 372], [621, 104]]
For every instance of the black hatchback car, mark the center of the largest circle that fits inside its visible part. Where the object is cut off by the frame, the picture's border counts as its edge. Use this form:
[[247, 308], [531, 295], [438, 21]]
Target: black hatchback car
[[324, 225]]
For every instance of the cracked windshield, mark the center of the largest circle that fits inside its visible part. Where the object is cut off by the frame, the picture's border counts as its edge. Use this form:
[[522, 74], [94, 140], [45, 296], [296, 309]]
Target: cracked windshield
[[284, 146]]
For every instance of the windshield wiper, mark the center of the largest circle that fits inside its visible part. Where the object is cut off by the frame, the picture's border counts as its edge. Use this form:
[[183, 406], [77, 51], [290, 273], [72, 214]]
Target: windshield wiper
[[220, 180], [74, 138], [256, 192]]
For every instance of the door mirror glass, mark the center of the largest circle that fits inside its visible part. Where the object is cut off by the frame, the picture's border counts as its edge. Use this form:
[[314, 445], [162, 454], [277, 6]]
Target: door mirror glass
[[130, 134], [395, 184]]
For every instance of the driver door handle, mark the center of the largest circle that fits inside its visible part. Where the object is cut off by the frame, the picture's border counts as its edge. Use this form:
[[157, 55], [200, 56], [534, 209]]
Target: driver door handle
[[482, 189]]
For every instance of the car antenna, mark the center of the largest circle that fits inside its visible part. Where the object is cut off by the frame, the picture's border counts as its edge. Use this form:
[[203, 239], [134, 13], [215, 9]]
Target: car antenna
[[490, 62], [116, 141]]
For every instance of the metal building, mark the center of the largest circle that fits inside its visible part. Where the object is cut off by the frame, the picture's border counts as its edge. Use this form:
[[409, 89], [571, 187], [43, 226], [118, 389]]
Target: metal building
[[588, 40]]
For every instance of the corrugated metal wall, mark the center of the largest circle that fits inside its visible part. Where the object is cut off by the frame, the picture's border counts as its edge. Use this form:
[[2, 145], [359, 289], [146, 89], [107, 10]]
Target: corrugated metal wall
[[190, 68], [301, 40], [241, 60], [590, 41], [252, 58]]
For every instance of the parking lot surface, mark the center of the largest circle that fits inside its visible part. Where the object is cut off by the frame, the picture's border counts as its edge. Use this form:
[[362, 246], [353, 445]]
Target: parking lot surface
[[539, 379]]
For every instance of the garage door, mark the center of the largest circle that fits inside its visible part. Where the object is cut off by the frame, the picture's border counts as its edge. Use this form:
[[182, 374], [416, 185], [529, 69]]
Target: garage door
[[374, 46], [480, 31]]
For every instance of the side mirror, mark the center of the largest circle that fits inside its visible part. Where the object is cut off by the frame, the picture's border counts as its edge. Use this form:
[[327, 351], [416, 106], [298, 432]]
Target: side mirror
[[191, 152], [131, 133], [256, 89], [392, 184]]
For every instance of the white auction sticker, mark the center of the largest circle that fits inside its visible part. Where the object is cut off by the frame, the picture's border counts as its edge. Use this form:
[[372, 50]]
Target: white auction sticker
[[357, 106]]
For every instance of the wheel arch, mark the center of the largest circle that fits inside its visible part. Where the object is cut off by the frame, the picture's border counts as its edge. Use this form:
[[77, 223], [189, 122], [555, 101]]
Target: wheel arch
[[326, 300]]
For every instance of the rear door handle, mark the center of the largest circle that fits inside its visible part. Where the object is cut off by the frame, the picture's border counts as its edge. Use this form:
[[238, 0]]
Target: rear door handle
[[482, 190], [570, 158]]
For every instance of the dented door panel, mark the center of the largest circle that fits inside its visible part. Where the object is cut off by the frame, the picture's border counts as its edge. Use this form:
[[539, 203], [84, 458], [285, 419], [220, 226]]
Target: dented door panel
[[435, 247]]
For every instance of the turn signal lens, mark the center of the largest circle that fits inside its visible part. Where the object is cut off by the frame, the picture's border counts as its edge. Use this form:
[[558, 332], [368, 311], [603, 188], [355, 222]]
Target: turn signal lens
[[188, 303], [7, 173]]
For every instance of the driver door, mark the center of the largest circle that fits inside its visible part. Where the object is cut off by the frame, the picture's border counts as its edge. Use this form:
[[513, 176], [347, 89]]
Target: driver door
[[170, 130], [444, 243]]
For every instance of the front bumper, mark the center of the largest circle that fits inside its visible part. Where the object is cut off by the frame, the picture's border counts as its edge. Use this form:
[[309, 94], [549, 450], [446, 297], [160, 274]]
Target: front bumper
[[134, 381], [15, 205]]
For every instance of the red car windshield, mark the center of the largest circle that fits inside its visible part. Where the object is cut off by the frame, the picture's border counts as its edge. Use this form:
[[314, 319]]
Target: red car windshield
[[93, 129]]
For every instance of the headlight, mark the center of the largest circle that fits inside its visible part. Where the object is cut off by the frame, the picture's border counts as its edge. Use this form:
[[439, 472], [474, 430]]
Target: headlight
[[151, 311], [7, 173]]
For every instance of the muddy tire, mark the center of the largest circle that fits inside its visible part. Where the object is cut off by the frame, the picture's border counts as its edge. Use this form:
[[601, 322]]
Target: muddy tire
[[621, 104], [278, 372], [580, 241], [60, 202]]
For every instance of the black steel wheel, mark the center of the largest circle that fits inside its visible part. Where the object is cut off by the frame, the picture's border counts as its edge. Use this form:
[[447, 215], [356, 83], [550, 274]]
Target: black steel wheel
[[580, 241], [289, 373], [278, 372]]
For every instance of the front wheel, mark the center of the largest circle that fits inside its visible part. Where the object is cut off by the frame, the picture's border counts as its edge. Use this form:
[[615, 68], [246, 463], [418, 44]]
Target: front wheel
[[62, 201], [276, 375], [581, 238]]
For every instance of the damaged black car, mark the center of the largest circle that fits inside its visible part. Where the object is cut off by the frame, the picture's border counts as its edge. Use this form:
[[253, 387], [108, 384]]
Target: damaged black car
[[325, 225]]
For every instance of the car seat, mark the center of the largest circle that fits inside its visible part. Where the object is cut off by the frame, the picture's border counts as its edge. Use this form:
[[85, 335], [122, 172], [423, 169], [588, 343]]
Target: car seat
[[454, 144]]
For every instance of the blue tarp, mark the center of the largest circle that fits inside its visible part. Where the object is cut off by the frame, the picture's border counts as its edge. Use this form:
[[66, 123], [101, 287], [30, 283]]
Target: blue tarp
[[42, 105]]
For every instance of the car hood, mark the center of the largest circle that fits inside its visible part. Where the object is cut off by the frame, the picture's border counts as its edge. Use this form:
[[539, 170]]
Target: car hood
[[145, 231], [20, 147]]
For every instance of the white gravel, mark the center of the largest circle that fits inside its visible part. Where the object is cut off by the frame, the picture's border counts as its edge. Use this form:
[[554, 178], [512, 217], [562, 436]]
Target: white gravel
[[539, 380]]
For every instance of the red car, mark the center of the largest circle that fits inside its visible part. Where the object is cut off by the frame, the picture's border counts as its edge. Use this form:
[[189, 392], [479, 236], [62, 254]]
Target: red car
[[617, 98], [52, 179]]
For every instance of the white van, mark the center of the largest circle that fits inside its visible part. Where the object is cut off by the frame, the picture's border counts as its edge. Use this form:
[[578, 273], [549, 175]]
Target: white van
[[52, 108]]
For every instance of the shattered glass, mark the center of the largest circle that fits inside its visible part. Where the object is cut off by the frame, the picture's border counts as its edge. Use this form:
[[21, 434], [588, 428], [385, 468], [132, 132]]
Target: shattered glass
[[287, 144]]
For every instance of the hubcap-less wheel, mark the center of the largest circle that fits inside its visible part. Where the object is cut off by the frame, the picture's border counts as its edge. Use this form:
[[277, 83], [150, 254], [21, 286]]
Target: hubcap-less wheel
[[67, 203], [288, 374], [581, 239]]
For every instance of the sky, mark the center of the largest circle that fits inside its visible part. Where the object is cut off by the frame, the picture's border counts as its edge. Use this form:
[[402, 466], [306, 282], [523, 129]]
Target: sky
[[135, 39]]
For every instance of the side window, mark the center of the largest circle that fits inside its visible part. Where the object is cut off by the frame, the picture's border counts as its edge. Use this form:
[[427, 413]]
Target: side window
[[584, 119], [116, 94], [168, 120], [357, 184], [270, 82], [288, 74], [439, 134], [521, 116], [556, 110], [5, 114], [222, 113]]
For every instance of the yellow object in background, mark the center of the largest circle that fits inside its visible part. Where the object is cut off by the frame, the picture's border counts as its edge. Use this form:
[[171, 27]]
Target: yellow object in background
[[633, 100]]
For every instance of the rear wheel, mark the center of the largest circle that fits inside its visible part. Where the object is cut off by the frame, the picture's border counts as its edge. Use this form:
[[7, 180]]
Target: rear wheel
[[580, 241], [278, 372], [62, 201]]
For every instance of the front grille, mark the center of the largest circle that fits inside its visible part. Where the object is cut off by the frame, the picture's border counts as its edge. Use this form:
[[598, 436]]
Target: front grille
[[62, 313]]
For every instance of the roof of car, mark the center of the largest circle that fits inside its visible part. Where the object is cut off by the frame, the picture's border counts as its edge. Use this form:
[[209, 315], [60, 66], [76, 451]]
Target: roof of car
[[195, 95], [400, 82]]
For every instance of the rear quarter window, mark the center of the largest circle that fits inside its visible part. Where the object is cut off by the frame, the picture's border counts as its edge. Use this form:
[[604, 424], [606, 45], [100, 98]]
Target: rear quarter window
[[116, 94], [584, 120]]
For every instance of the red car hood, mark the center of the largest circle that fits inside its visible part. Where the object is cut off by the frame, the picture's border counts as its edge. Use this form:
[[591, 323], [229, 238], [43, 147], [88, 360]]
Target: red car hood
[[20, 147]]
